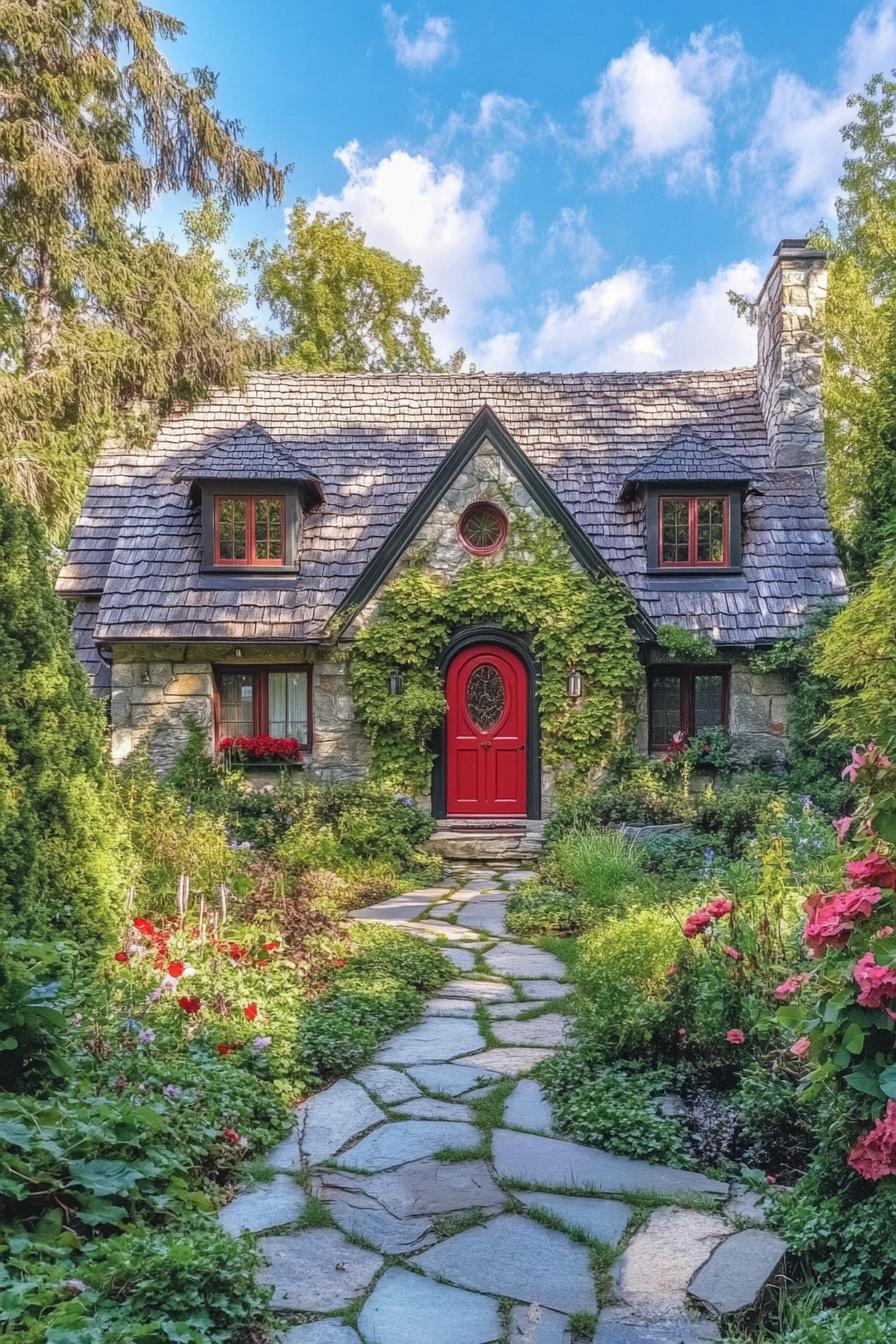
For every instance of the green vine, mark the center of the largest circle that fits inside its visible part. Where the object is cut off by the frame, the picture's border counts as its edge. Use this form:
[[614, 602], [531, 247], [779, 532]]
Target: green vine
[[685, 644], [574, 620]]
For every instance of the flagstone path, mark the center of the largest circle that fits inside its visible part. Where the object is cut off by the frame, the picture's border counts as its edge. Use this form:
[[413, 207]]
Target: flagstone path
[[427, 1200]]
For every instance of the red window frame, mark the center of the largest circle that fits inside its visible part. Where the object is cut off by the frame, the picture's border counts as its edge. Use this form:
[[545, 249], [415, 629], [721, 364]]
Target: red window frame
[[250, 502], [259, 674], [693, 502], [483, 506], [686, 698]]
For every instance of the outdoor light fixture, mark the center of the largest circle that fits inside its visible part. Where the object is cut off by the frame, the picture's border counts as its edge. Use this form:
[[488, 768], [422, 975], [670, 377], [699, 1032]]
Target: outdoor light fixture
[[396, 683], [574, 684]]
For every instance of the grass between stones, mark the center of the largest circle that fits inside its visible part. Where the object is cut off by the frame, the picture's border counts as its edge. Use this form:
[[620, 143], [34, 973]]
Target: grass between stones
[[482, 1150], [451, 1224], [484, 1023], [488, 1112]]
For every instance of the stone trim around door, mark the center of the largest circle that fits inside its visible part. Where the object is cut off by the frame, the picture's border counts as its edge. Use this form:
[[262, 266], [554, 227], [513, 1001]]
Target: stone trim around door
[[491, 634]]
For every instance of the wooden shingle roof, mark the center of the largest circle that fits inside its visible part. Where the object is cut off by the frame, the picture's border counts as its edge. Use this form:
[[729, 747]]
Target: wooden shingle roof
[[375, 440]]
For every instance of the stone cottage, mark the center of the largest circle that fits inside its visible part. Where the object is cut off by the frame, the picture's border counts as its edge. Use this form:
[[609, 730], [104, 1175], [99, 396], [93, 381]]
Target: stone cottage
[[222, 572]]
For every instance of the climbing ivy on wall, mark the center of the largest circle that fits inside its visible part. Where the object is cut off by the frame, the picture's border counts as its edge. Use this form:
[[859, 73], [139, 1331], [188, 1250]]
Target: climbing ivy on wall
[[572, 619]]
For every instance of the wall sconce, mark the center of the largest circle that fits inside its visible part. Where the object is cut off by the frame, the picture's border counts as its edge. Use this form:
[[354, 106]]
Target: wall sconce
[[574, 684], [396, 683]]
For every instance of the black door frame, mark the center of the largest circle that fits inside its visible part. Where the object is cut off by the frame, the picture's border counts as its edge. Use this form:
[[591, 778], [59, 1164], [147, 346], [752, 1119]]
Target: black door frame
[[492, 634]]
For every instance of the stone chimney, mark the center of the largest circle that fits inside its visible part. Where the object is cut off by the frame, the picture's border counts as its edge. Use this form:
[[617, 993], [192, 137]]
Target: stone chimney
[[789, 355]]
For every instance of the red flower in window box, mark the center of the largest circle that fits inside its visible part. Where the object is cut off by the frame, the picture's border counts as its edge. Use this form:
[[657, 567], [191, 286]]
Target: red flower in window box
[[263, 747]]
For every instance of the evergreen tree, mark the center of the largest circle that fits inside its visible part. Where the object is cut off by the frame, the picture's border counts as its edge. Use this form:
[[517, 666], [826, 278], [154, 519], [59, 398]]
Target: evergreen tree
[[60, 841], [101, 327], [341, 304]]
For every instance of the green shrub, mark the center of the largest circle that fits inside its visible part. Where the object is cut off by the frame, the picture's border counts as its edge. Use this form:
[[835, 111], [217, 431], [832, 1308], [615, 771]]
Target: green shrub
[[679, 854], [614, 1109], [733, 812], [628, 997], [776, 1124], [384, 951], [533, 910], [34, 1033], [646, 793], [337, 826], [859, 1326], [595, 865], [196, 1286], [60, 840]]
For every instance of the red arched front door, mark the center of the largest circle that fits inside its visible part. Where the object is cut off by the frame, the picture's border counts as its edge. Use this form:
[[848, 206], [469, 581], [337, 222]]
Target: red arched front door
[[487, 693]]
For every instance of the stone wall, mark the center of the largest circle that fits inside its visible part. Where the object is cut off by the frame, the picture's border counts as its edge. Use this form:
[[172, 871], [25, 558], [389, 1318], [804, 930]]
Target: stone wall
[[154, 691], [789, 355]]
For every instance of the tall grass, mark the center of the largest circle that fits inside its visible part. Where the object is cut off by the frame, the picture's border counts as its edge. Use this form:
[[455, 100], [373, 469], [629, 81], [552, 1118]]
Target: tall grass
[[597, 865]]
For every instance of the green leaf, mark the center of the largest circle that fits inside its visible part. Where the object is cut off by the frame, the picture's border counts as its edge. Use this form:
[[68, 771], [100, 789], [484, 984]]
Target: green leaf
[[887, 1081], [836, 1004], [865, 1079], [104, 1177], [15, 1133], [854, 1039], [885, 825]]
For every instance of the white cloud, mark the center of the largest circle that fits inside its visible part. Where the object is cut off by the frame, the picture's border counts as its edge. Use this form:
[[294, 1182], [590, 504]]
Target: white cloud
[[431, 45], [632, 320], [795, 158], [571, 235], [653, 112], [499, 112], [426, 214], [523, 231], [499, 353]]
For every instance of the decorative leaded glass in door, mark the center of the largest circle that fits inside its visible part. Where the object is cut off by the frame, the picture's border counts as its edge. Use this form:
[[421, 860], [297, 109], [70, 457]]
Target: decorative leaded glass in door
[[485, 697]]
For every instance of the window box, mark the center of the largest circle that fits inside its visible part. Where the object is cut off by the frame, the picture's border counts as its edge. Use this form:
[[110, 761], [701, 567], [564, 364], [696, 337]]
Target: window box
[[682, 700], [263, 705], [262, 749]]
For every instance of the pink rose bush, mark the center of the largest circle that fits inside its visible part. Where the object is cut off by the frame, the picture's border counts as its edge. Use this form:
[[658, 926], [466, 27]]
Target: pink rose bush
[[874, 1156]]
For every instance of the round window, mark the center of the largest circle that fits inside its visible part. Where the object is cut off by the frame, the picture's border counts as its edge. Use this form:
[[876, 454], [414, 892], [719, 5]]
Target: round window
[[482, 529]]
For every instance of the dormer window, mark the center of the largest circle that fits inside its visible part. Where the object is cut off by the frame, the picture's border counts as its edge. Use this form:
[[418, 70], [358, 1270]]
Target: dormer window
[[250, 530], [694, 531]]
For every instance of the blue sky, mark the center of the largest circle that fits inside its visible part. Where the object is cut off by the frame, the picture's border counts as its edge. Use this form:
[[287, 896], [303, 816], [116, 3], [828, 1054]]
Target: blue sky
[[582, 182]]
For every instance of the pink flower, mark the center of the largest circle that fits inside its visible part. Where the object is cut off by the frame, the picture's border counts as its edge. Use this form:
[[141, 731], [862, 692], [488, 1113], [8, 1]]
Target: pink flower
[[735, 1036], [801, 1047], [866, 758], [718, 908], [874, 1156], [841, 826], [886, 932], [791, 986], [875, 868], [876, 983], [682, 1032], [733, 953], [696, 923], [832, 916], [671, 970]]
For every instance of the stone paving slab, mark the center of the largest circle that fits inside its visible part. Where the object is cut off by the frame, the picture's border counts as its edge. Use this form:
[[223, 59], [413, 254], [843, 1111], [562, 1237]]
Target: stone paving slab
[[562, 1164], [527, 1107], [432, 1041], [286, 1155], [737, 1271], [538, 1325], [433, 929], [618, 1325], [266, 1205], [317, 1270], [320, 1332], [450, 1008], [500, 1012], [331, 1118], [461, 959], [663, 1256], [512, 1256], [551, 1029], [487, 991], [406, 1308], [452, 1079], [417, 1189], [396, 909], [360, 1216], [390, 1085], [518, 875], [509, 1059], [428, 1108], [543, 989], [487, 917], [521, 961], [601, 1219], [405, 1140]]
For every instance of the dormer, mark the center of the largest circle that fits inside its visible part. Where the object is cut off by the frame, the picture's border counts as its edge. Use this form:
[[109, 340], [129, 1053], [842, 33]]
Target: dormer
[[252, 494], [693, 504]]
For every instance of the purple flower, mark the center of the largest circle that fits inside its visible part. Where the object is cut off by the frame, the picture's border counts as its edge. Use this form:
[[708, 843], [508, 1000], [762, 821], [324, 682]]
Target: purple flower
[[172, 1091], [74, 1285], [261, 1042], [147, 1036]]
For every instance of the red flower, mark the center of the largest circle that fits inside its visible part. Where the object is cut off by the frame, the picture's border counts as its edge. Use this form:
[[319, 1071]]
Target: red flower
[[874, 1156], [874, 869], [735, 1036], [718, 908], [236, 951], [189, 1004], [263, 747], [250, 1012], [733, 953], [223, 1049], [122, 957], [339, 963], [176, 969], [145, 926], [272, 946], [231, 1136], [696, 923]]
